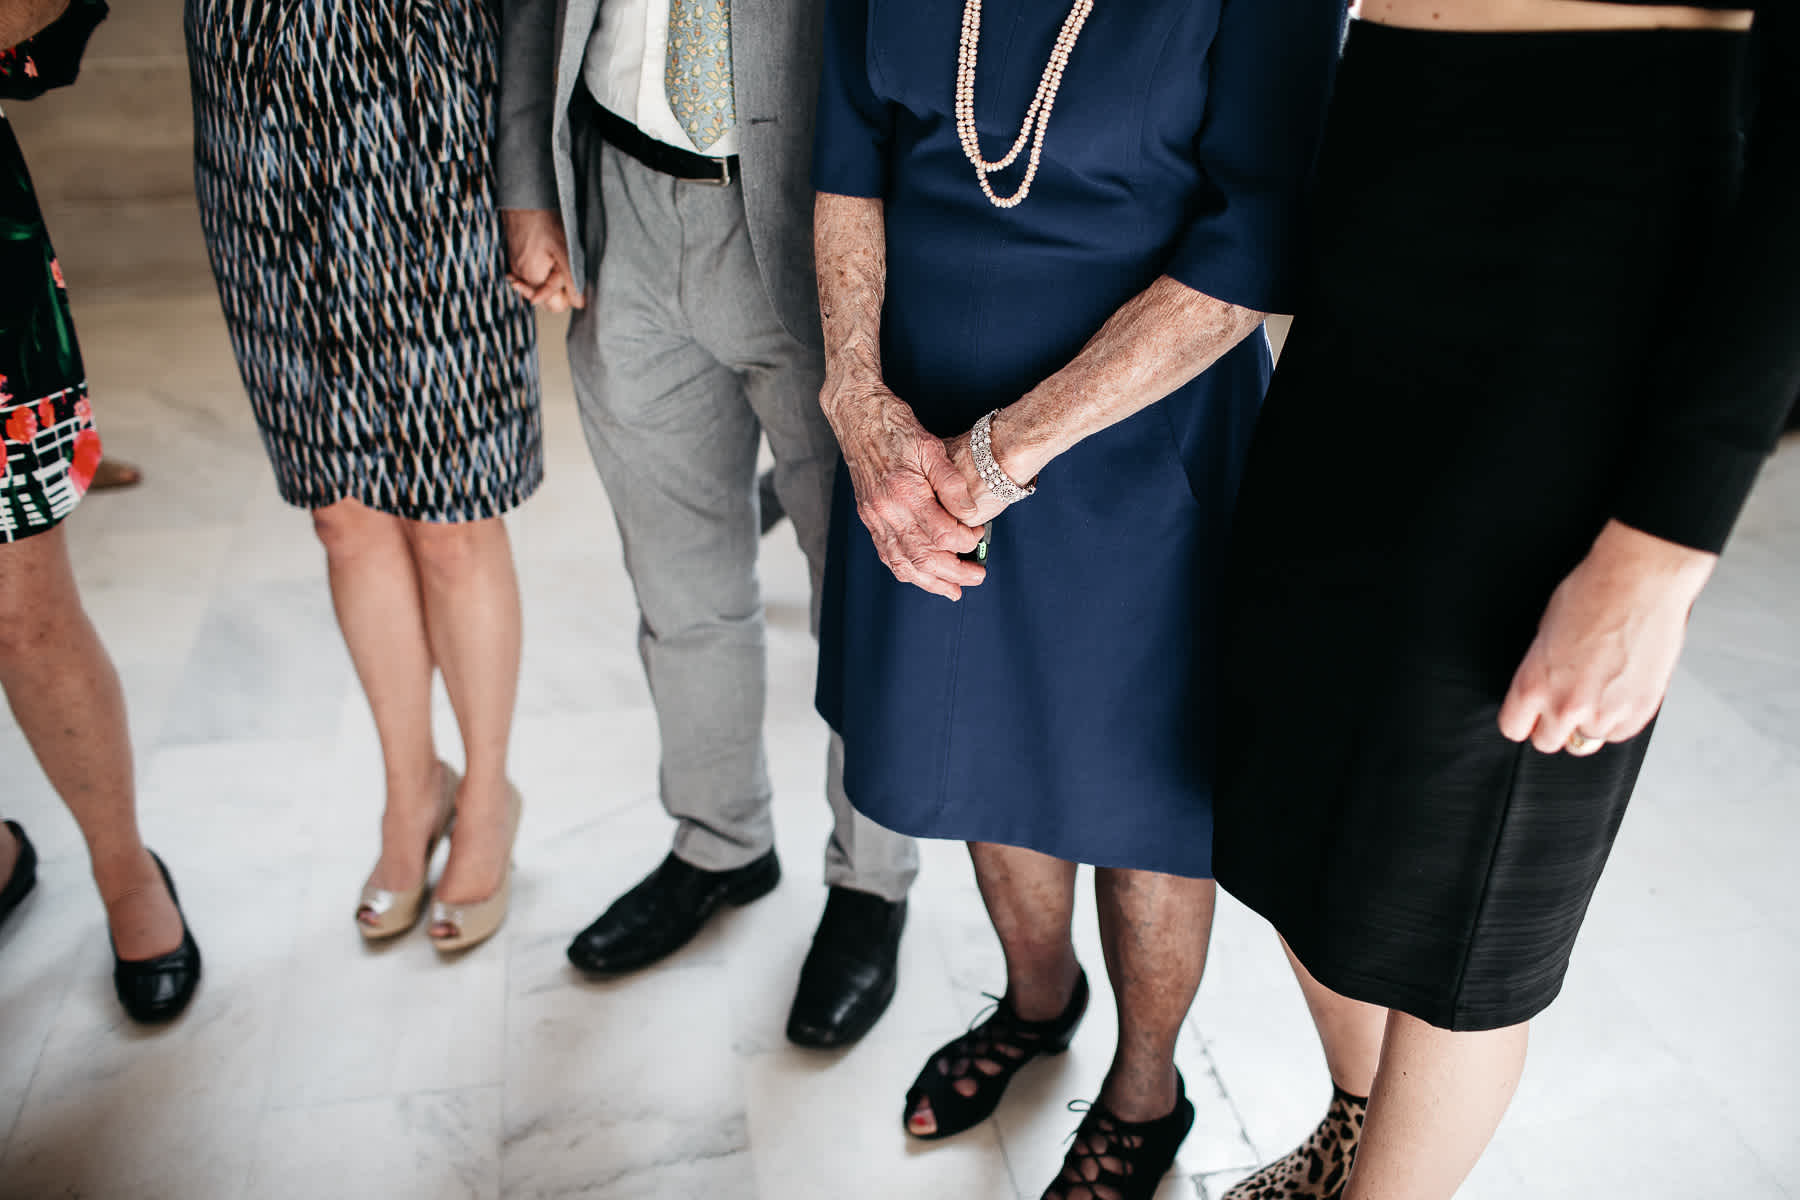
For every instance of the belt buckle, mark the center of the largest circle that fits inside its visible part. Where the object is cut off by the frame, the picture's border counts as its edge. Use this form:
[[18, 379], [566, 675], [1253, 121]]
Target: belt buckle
[[724, 179]]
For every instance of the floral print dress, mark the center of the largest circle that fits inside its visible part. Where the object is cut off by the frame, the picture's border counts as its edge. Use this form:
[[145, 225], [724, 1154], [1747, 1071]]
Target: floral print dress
[[46, 425]]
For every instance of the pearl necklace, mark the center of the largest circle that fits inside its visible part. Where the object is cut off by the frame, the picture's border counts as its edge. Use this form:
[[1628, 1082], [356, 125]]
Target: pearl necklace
[[1037, 117]]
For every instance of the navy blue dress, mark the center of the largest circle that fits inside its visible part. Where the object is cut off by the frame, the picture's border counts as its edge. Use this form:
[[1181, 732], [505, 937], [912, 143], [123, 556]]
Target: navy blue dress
[[1067, 704]]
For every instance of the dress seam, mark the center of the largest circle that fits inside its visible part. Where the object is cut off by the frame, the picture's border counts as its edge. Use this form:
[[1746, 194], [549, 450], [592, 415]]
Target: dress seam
[[1487, 882], [949, 742]]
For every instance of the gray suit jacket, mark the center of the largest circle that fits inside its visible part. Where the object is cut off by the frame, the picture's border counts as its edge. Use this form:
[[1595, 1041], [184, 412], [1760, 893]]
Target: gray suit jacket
[[775, 70]]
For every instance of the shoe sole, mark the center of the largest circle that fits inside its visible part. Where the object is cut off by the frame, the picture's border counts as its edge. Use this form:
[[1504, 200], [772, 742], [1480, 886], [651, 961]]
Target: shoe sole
[[737, 894]]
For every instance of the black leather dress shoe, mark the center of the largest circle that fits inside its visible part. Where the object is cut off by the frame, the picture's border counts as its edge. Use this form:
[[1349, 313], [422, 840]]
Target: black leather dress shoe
[[23, 877], [157, 989], [662, 914], [849, 975]]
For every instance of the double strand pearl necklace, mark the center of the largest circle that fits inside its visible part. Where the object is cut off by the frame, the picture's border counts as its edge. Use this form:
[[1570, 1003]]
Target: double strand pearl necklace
[[1037, 117]]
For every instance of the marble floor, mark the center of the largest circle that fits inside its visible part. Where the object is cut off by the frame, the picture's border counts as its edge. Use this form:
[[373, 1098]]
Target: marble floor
[[311, 1066]]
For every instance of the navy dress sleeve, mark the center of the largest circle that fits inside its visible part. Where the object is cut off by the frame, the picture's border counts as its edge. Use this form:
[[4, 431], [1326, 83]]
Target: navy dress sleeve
[[1271, 66], [855, 127], [1720, 389]]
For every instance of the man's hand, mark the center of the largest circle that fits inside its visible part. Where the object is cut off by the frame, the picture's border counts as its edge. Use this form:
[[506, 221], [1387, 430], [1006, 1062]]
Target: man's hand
[[897, 469], [537, 258], [1607, 645]]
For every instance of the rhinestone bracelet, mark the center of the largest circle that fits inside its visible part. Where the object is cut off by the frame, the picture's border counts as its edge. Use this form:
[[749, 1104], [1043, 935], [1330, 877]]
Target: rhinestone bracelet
[[981, 448]]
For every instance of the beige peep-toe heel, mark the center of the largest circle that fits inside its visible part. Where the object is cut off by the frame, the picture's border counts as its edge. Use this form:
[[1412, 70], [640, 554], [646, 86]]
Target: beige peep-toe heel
[[479, 920], [397, 912]]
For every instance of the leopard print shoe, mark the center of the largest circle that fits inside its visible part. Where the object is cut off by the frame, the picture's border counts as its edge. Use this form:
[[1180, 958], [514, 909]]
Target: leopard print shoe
[[1319, 1167]]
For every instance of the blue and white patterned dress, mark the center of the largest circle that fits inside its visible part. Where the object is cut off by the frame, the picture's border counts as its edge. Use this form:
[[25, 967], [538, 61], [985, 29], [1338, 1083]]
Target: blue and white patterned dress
[[343, 165]]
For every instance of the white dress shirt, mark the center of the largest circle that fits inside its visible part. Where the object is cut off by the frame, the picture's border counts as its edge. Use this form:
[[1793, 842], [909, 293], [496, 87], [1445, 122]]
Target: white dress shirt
[[624, 71]]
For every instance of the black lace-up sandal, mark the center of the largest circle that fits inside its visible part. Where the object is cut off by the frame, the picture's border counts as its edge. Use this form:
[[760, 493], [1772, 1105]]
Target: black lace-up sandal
[[1112, 1159], [991, 1053]]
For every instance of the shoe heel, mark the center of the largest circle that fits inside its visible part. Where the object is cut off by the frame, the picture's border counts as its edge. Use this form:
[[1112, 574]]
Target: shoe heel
[[475, 923], [754, 886], [1065, 1037], [396, 913]]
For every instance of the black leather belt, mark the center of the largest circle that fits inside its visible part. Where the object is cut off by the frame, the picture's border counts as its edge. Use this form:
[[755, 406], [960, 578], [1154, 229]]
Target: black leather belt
[[660, 156]]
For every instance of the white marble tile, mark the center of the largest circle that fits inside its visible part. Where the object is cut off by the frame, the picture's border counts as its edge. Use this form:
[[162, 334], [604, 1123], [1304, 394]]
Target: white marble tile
[[613, 1087], [267, 663], [440, 1144]]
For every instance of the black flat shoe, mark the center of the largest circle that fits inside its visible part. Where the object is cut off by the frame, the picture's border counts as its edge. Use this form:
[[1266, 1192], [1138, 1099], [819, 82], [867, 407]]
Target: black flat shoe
[[157, 989], [24, 874], [991, 1053], [1123, 1159], [850, 972], [662, 914]]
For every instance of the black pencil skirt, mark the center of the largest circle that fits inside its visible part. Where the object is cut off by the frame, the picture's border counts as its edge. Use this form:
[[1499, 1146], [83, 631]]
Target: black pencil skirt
[[1506, 224]]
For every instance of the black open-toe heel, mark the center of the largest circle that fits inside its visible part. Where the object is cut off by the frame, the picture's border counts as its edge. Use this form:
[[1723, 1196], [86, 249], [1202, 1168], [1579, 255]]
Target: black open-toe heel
[[23, 876], [157, 989], [990, 1054], [1122, 1160]]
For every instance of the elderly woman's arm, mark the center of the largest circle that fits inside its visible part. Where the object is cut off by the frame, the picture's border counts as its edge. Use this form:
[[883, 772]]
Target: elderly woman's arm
[[1162, 339], [20, 19], [897, 467]]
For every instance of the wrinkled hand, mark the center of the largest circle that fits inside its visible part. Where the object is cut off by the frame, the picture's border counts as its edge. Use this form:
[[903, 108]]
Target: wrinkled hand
[[1606, 648], [537, 256], [967, 497], [897, 468]]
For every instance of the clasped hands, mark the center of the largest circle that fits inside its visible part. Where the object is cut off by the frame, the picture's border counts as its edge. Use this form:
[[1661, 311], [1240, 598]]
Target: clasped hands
[[920, 496], [537, 259]]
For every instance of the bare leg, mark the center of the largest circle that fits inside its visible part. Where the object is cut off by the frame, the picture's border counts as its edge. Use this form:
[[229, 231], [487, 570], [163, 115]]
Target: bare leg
[[1030, 898], [1155, 929], [375, 590], [1349, 1030], [1351, 1033], [1438, 1098], [67, 700], [472, 612]]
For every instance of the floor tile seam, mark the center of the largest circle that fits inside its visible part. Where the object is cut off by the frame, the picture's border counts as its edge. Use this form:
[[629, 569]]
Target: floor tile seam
[[1204, 1047], [947, 965], [280, 1107], [37, 1065]]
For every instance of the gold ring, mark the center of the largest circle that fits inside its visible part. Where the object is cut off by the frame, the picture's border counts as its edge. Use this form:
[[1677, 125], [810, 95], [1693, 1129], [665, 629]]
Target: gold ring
[[1580, 742]]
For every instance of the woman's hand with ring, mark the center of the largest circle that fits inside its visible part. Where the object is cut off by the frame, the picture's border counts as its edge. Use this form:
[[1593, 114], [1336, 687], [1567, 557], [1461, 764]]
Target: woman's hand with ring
[[899, 470], [1607, 645]]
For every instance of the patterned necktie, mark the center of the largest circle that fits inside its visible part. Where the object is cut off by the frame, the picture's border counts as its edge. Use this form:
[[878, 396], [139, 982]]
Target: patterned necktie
[[698, 75]]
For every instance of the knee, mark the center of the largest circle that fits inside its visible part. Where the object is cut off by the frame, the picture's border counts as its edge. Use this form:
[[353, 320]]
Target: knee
[[349, 531], [449, 553]]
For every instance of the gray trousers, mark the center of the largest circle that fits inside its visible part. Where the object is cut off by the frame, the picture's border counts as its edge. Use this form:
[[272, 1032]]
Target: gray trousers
[[680, 363]]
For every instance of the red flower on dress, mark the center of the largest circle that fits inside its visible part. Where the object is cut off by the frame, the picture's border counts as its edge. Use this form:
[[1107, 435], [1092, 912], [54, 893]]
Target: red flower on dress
[[22, 426], [31, 67], [56, 274], [85, 462], [46, 414], [84, 410], [4, 394]]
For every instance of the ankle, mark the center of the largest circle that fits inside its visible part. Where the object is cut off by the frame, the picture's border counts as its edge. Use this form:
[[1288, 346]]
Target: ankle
[[119, 873], [409, 780], [1041, 991], [1136, 1093]]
